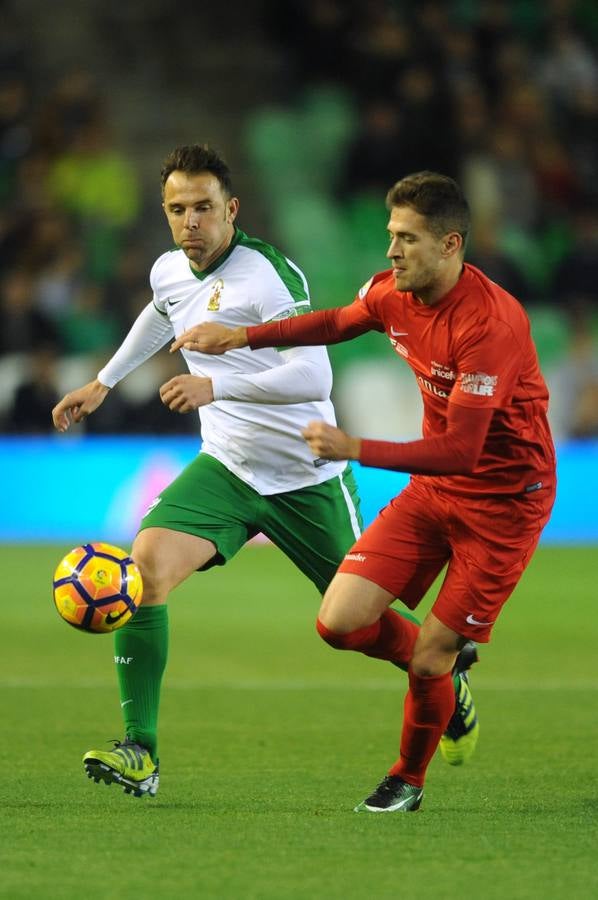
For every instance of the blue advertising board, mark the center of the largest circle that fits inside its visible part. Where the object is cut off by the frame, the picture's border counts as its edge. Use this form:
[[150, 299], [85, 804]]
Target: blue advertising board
[[97, 488]]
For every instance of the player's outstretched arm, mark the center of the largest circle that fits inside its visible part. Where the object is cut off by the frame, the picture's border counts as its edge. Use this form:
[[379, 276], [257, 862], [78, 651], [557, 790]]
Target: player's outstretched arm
[[209, 337], [456, 452], [78, 404], [326, 326]]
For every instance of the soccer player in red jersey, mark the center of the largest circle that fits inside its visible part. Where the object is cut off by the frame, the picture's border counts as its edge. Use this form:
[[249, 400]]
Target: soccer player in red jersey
[[483, 474]]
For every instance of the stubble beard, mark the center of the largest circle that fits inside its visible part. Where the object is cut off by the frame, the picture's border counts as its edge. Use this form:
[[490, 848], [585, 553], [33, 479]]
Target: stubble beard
[[418, 281]]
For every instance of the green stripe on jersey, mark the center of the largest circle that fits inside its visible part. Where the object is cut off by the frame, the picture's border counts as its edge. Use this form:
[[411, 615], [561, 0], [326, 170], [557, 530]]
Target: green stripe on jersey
[[292, 277], [300, 308]]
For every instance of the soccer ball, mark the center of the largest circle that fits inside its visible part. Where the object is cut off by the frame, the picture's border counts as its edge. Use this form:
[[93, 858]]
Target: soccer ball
[[97, 587]]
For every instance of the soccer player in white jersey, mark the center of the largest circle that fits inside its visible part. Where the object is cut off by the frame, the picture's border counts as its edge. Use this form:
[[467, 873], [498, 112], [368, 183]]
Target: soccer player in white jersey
[[255, 473]]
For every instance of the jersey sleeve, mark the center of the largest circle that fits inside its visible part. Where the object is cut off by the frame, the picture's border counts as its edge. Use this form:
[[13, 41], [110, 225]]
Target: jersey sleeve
[[159, 297], [326, 326], [488, 361], [305, 377], [456, 452], [148, 334], [283, 292]]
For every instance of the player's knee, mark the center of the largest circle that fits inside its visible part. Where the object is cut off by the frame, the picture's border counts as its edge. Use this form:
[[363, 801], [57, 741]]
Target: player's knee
[[155, 582]]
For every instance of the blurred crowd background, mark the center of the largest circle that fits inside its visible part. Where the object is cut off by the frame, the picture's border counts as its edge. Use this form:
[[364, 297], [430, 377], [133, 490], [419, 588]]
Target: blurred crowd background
[[318, 106]]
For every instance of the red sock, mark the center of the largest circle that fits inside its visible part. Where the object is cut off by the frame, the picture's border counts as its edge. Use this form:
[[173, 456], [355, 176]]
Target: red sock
[[392, 637], [395, 640], [353, 640], [429, 705]]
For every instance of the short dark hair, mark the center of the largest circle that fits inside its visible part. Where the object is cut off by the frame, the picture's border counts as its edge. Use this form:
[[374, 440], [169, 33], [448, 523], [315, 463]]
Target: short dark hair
[[195, 158], [436, 197]]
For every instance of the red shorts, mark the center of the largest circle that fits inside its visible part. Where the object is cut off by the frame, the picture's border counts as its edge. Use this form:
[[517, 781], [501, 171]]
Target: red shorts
[[486, 541]]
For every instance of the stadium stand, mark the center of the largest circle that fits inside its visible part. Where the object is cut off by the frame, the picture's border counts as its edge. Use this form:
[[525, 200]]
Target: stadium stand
[[318, 106]]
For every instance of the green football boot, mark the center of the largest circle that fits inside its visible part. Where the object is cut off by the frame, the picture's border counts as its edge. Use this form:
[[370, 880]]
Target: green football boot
[[392, 795], [128, 764], [458, 742]]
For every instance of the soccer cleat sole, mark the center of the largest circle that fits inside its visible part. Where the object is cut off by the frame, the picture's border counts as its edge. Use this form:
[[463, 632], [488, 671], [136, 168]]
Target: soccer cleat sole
[[99, 771]]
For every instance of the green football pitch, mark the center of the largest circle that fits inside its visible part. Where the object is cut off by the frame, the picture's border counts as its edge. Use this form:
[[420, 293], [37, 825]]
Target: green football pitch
[[269, 738]]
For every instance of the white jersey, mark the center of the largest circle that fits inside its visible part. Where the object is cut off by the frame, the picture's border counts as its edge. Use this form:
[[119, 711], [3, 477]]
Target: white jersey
[[259, 441]]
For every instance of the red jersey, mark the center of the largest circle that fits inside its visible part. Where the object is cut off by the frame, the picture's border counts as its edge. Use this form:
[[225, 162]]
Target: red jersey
[[473, 349]]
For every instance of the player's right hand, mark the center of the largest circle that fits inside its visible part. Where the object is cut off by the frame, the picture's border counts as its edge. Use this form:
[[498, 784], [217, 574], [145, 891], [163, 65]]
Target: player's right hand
[[78, 404], [210, 337]]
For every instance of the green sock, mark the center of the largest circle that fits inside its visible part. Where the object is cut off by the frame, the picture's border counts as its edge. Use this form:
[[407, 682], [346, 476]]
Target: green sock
[[140, 653]]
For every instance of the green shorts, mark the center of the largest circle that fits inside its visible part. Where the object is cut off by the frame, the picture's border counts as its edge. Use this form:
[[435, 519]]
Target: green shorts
[[314, 526]]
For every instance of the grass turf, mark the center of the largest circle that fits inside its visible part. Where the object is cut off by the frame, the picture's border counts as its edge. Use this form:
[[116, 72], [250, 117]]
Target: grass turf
[[269, 738]]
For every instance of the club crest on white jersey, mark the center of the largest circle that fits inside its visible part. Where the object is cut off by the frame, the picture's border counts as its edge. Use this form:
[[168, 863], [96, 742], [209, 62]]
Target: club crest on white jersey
[[214, 299]]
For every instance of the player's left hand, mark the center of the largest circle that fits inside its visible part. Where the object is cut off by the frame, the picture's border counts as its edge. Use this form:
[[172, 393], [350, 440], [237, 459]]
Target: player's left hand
[[184, 393], [329, 442]]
